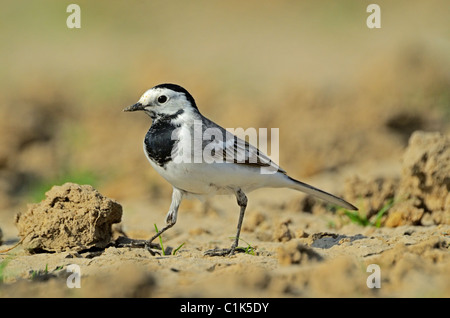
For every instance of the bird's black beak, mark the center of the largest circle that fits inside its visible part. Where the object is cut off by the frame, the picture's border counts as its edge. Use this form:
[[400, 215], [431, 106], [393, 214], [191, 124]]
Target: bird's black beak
[[135, 107]]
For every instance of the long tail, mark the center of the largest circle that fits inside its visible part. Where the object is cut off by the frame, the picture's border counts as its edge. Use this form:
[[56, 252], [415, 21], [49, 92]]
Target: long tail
[[300, 186]]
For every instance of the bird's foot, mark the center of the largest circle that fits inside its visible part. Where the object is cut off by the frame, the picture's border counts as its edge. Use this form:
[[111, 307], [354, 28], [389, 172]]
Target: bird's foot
[[151, 247], [123, 242]]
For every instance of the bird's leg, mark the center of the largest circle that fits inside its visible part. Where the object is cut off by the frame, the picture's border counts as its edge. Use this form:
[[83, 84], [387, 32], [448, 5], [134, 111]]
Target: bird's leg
[[242, 202], [171, 218]]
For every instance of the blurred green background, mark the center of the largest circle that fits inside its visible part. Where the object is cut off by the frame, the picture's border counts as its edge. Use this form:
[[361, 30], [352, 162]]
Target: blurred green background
[[339, 92]]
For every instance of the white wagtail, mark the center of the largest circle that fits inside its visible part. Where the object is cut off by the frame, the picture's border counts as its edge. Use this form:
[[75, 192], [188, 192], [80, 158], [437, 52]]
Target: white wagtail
[[236, 166]]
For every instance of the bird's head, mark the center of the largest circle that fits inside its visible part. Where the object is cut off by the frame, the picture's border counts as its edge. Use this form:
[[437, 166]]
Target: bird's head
[[164, 100]]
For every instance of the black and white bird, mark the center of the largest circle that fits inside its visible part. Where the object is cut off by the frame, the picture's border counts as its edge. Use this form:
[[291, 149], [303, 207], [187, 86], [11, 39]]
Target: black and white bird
[[181, 148]]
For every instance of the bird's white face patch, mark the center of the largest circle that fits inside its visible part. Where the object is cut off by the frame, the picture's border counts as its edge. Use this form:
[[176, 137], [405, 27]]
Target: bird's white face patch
[[146, 97], [173, 104]]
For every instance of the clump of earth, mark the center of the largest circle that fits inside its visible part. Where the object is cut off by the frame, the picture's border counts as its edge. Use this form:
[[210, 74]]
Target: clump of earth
[[71, 217], [420, 196]]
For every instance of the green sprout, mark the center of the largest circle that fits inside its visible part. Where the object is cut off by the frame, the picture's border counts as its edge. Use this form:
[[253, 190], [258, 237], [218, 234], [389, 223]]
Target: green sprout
[[249, 249], [176, 250], [44, 274], [361, 218], [3, 265], [160, 241], [162, 246]]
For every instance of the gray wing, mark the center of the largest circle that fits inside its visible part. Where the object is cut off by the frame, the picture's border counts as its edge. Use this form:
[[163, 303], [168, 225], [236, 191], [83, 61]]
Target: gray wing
[[221, 145]]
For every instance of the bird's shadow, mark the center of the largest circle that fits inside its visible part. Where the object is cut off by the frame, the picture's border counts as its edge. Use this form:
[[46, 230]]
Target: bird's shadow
[[327, 240]]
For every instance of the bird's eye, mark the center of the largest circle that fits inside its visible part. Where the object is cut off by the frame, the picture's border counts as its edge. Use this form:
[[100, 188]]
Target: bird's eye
[[162, 99]]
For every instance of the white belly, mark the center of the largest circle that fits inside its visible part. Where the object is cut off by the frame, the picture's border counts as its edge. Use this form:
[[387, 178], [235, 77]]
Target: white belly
[[216, 178]]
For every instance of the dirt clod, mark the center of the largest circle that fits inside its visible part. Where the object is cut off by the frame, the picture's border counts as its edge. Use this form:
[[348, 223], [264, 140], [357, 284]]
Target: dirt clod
[[296, 253], [420, 196], [72, 217], [282, 232], [425, 182]]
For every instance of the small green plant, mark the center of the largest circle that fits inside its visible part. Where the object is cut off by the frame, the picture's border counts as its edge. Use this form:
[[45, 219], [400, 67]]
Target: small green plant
[[162, 246], [44, 274], [360, 218], [357, 217], [176, 250], [36, 274], [249, 249], [160, 241], [3, 265], [382, 211]]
